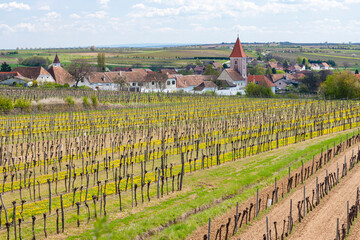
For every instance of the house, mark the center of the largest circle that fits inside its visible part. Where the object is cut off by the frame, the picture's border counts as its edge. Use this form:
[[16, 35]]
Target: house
[[8, 75], [17, 80], [189, 82], [261, 80], [299, 67], [168, 71], [98, 81], [217, 66], [206, 86], [199, 70], [315, 66], [135, 77], [324, 66], [234, 77], [35, 73], [60, 75], [158, 82]]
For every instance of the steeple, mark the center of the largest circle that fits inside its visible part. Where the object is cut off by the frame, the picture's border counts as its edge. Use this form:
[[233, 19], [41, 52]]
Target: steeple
[[238, 50], [56, 62], [238, 59]]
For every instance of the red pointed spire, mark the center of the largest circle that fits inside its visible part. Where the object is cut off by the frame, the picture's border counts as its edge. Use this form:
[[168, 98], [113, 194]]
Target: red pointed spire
[[56, 60], [238, 50]]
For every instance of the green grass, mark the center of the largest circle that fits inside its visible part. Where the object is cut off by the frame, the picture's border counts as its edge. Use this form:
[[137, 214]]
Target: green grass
[[241, 178]]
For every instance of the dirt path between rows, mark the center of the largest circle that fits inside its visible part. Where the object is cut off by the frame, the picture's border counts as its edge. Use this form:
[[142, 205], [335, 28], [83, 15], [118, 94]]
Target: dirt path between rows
[[321, 222], [280, 211]]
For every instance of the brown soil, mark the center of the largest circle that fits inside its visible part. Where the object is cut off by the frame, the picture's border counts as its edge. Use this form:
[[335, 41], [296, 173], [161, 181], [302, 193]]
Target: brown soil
[[280, 211]]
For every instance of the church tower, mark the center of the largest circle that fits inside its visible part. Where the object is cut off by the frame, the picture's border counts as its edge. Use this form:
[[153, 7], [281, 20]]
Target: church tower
[[238, 59], [56, 62]]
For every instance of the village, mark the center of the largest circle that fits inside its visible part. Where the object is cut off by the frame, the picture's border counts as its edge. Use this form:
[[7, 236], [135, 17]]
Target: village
[[229, 78]]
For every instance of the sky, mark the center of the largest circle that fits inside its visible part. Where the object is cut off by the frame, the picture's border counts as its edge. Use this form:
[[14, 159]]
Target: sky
[[74, 23]]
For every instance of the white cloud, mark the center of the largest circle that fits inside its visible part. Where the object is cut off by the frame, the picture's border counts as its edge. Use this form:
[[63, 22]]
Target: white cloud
[[25, 27], [98, 15], [75, 16], [52, 15], [14, 5], [103, 3], [6, 27], [45, 8]]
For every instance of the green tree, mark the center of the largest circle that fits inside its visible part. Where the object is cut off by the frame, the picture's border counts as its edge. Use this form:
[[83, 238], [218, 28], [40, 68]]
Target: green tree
[[254, 90], [312, 81], [257, 70], [299, 60], [356, 71], [340, 85], [273, 70], [198, 62], [36, 61], [5, 67], [209, 70], [101, 62], [268, 71]]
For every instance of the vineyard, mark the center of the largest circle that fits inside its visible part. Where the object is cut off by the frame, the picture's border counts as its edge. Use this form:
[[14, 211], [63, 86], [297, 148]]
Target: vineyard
[[175, 166]]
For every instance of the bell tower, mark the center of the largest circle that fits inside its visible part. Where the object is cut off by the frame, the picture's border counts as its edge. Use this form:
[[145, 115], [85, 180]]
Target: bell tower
[[238, 59], [56, 62]]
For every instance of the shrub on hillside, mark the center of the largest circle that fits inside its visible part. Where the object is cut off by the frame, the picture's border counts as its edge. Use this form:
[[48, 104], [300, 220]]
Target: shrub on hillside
[[23, 104], [6, 105], [254, 90], [94, 101], [70, 101], [340, 85]]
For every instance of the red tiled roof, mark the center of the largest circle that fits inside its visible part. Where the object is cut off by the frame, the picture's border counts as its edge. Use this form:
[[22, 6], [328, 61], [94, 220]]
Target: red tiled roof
[[217, 65], [136, 75], [261, 80], [7, 75], [238, 50], [31, 72], [167, 71], [56, 60], [192, 80], [235, 75], [61, 76]]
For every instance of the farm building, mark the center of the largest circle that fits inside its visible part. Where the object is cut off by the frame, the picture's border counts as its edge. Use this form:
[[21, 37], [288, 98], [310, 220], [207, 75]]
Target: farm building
[[35, 73]]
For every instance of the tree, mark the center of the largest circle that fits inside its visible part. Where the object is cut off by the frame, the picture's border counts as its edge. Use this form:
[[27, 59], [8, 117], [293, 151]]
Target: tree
[[273, 70], [225, 66], [209, 70], [36, 61], [101, 62], [340, 85], [198, 62], [92, 48], [286, 65], [79, 70], [254, 90], [257, 70], [299, 60], [268, 71], [121, 80], [186, 72], [312, 81], [356, 71], [5, 67]]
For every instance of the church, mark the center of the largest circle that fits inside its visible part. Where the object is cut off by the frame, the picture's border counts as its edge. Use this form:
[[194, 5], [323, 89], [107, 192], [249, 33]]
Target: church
[[236, 74]]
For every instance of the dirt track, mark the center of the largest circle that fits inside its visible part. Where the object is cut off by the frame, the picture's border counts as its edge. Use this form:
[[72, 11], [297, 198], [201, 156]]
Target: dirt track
[[321, 222]]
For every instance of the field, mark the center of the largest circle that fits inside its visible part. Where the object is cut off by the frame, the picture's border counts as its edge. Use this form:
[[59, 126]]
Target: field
[[159, 166], [343, 54]]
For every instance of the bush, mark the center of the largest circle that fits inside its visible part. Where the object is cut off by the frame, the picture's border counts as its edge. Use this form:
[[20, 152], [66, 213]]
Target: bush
[[94, 101], [86, 102], [23, 104], [70, 101], [35, 83], [254, 90], [6, 105], [340, 85]]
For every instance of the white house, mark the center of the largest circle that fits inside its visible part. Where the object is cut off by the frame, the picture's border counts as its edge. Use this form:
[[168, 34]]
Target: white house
[[35, 73]]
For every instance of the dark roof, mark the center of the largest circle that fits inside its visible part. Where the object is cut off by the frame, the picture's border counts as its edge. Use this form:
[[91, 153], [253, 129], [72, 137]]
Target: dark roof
[[167, 71], [56, 60], [238, 50], [205, 84], [31, 72], [226, 83], [156, 77], [61, 76]]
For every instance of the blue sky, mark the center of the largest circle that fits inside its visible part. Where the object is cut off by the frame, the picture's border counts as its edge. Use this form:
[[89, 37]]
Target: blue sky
[[65, 23]]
